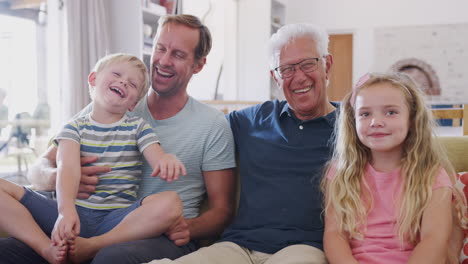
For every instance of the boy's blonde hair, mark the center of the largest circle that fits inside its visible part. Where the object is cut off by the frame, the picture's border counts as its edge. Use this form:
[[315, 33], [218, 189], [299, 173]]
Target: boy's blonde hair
[[123, 57], [422, 159]]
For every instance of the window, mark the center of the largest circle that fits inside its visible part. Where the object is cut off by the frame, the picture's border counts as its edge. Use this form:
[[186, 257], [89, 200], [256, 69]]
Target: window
[[24, 128]]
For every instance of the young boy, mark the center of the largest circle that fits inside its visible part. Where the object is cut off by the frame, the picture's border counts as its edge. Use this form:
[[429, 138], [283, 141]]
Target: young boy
[[111, 214]]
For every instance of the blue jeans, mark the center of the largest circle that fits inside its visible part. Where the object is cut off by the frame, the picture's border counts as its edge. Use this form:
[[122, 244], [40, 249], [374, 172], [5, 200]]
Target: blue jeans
[[13, 251]]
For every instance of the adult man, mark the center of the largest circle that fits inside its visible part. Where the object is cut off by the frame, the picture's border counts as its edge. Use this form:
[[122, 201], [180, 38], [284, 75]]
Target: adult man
[[197, 134], [282, 149]]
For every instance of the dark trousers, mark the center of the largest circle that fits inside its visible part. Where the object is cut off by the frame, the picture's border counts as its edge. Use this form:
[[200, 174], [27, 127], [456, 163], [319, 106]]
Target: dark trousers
[[16, 252]]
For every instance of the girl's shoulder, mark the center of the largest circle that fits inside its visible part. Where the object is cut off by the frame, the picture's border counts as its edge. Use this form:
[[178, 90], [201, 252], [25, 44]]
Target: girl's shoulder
[[330, 170], [442, 179]]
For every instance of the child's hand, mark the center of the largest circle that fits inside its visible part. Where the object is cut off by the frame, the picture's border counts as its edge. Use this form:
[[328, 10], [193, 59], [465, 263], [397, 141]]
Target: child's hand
[[67, 227], [169, 168]]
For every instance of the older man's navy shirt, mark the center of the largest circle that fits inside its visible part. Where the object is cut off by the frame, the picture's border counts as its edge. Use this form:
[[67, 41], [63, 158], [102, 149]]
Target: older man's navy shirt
[[281, 163]]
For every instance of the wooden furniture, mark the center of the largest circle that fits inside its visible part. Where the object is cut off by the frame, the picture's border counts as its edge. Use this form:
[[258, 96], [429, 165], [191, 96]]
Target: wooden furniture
[[228, 106], [453, 113], [439, 113]]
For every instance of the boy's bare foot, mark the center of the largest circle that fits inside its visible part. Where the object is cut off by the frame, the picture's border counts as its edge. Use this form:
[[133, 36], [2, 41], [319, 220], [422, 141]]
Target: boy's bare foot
[[55, 254], [83, 249]]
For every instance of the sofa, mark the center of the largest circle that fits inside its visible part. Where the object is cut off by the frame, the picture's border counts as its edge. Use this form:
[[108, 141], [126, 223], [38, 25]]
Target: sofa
[[457, 151]]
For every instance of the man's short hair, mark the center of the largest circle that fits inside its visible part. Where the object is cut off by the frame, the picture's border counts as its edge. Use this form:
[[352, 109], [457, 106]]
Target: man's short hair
[[204, 42], [290, 32]]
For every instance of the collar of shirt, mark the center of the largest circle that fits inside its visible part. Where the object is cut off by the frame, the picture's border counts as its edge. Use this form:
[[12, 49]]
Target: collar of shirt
[[330, 118]]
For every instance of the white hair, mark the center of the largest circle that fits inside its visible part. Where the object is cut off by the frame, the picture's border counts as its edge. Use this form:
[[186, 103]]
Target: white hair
[[290, 32]]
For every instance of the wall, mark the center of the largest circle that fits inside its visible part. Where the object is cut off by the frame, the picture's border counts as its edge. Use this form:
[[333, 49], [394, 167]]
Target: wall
[[126, 34], [211, 12], [253, 33], [440, 50], [240, 30], [341, 16]]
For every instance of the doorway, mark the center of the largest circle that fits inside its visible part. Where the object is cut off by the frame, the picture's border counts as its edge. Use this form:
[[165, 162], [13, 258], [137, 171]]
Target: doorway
[[341, 81]]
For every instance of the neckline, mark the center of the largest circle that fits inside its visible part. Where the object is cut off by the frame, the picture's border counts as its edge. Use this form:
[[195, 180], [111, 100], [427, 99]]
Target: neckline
[[381, 174], [94, 122]]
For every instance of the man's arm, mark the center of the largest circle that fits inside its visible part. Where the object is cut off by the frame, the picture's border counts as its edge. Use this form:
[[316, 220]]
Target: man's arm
[[43, 173], [221, 189]]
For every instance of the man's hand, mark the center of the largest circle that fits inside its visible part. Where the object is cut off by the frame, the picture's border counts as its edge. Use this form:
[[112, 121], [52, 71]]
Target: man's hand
[[89, 177], [179, 232]]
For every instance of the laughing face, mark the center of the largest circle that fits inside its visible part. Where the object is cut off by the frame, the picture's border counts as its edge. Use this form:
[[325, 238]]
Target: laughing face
[[173, 61], [117, 87], [305, 92], [382, 118]]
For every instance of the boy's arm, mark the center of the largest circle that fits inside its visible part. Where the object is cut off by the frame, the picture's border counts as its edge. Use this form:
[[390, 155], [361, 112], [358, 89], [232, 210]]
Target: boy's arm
[[68, 179], [335, 244], [220, 188], [166, 166], [42, 174], [436, 227]]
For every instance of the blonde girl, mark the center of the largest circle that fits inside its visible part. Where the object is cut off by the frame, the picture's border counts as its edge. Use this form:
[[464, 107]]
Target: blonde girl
[[389, 186]]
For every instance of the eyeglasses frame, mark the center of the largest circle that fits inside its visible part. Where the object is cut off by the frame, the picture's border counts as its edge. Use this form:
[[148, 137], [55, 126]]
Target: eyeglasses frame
[[293, 65]]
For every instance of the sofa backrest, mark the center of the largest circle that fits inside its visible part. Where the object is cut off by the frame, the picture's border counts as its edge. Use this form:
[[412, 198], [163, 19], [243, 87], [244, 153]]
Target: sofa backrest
[[457, 151]]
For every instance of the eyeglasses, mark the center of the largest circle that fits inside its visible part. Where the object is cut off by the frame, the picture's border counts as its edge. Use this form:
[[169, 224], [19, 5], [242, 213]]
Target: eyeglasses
[[288, 70]]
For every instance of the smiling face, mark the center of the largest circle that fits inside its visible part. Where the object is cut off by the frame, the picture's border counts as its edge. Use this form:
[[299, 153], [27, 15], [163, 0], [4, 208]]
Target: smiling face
[[382, 118], [117, 87], [305, 92], [173, 61]]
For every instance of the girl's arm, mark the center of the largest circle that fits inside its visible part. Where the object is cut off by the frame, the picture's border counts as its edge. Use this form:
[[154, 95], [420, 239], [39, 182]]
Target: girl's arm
[[335, 243], [456, 239], [436, 227], [166, 165], [67, 225]]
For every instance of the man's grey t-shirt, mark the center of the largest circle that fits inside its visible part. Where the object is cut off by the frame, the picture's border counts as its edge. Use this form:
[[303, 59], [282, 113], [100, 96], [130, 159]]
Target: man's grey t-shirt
[[200, 137]]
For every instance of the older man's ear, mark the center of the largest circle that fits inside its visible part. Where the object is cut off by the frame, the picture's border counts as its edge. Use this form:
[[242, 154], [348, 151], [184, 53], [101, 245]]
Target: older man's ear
[[273, 75], [328, 65]]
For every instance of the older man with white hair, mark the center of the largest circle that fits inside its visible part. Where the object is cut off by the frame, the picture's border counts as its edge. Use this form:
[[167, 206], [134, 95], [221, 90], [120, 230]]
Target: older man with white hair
[[282, 148]]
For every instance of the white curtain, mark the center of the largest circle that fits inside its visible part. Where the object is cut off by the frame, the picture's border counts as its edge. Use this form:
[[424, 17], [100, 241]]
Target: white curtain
[[79, 36], [88, 41]]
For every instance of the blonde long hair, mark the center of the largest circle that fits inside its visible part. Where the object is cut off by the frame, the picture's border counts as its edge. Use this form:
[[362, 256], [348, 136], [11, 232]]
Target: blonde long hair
[[422, 159]]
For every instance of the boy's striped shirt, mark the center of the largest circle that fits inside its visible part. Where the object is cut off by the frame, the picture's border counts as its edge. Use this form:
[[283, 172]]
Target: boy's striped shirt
[[119, 146]]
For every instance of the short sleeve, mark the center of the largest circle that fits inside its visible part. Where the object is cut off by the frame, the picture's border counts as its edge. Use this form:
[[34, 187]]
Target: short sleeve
[[70, 131], [442, 180], [219, 148], [145, 135], [330, 172]]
